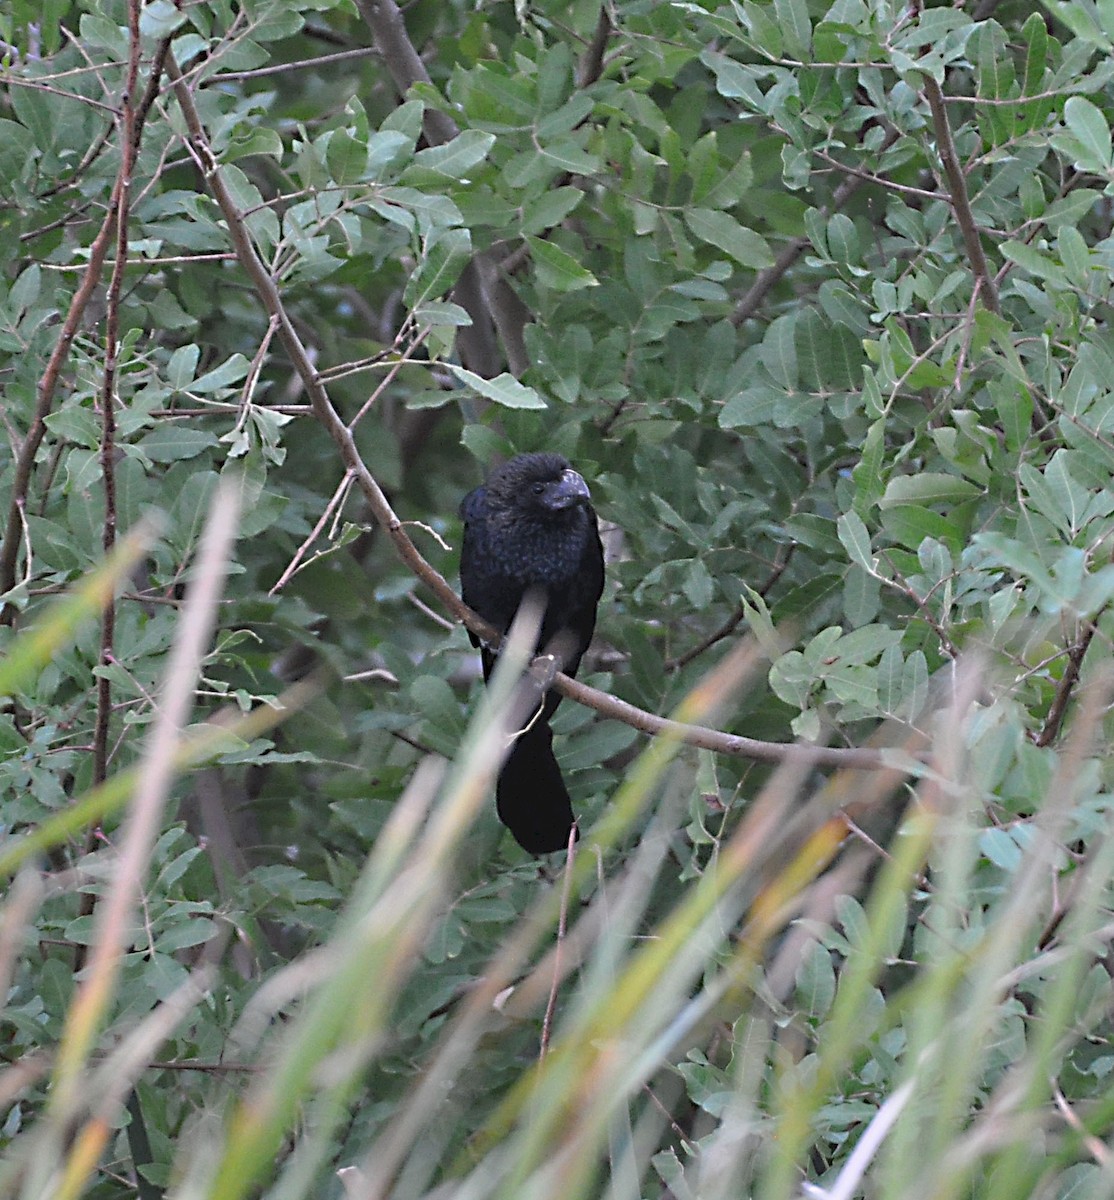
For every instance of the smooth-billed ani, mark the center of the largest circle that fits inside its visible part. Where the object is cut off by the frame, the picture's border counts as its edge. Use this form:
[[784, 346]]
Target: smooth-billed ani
[[532, 526]]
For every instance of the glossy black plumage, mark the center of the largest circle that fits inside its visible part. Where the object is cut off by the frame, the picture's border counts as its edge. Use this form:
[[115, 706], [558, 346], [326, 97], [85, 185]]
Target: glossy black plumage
[[531, 525]]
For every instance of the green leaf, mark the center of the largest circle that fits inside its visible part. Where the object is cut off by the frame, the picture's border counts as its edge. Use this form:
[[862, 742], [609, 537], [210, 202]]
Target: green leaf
[[855, 538], [751, 407], [171, 443], [503, 389], [230, 372], [914, 685], [447, 252], [566, 118], [870, 472], [910, 524], [454, 159], [891, 667], [1035, 262], [183, 363], [698, 585], [550, 209], [558, 270], [1088, 123], [765, 29], [25, 290], [862, 593], [1017, 557], [1035, 33], [1075, 255], [929, 487], [734, 81], [722, 231], [386, 149], [159, 19], [796, 28], [1015, 411], [346, 157], [256, 141], [567, 155], [779, 351], [18, 151], [815, 981]]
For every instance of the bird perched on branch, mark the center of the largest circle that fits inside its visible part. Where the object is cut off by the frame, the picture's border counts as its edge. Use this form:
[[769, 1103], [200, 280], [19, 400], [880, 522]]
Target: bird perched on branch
[[531, 528]]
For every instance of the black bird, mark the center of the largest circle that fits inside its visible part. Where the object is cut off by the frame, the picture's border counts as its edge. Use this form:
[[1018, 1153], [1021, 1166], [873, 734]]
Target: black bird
[[532, 526]]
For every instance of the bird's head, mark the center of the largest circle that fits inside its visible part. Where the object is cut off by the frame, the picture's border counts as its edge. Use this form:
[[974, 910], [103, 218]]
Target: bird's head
[[542, 484]]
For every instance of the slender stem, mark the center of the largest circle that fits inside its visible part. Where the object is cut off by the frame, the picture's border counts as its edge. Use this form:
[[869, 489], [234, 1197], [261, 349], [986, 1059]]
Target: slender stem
[[1058, 710], [957, 188]]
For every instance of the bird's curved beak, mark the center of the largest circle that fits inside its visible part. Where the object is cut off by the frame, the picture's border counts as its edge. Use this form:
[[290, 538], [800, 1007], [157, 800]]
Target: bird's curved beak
[[569, 491]]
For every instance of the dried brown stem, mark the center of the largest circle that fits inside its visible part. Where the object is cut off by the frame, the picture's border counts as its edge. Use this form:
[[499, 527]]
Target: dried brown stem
[[385, 20], [562, 931]]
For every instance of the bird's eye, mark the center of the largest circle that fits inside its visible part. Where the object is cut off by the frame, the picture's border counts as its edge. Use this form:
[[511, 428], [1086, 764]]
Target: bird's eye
[[538, 488]]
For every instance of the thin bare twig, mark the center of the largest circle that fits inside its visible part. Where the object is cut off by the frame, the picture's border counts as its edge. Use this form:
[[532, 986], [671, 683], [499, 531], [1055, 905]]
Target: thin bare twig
[[387, 379], [128, 142], [781, 561], [303, 64], [25, 459], [36, 85], [335, 502]]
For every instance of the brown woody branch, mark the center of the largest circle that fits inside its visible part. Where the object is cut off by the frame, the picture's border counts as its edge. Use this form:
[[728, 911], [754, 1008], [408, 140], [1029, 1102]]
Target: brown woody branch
[[48, 384], [957, 188], [25, 456], [603, 703], [1059, 707], [591, 62], [129, 142]]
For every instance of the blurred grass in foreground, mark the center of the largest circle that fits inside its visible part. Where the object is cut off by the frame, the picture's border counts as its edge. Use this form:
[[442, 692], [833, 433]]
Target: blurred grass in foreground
[[765, 1034]]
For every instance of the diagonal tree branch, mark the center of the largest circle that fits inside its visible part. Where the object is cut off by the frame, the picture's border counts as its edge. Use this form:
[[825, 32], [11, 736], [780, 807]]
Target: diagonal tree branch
[[268, 292], [1050, 731], [48, 384], [957, 188], [25, 458], [129, 144]]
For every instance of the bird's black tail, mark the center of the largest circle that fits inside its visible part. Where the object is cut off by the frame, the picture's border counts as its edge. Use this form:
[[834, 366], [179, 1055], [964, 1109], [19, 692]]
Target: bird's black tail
[[531, 796]]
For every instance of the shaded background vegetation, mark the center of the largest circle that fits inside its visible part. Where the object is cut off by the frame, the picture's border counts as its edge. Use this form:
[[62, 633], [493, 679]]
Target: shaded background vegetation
[[815, 295]]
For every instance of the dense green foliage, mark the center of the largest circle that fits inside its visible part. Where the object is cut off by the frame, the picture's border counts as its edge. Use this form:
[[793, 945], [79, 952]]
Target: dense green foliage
[[815, 295]]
